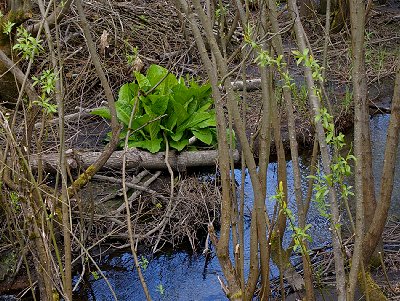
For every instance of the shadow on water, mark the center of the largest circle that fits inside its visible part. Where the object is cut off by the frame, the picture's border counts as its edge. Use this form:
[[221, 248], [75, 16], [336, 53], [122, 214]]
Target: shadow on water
[[184, 276]]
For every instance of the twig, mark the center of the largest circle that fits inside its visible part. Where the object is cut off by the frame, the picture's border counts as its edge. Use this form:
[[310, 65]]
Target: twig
[[115, 127], [136, 193], [171, 193], [129, 185]]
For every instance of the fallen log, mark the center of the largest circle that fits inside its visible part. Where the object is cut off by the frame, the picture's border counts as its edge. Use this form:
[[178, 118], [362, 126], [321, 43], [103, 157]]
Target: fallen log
[[251, 85], [134, 159]]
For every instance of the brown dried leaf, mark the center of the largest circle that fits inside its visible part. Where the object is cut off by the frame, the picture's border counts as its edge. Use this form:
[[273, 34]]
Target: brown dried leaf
[[137, 64], [104, 42]]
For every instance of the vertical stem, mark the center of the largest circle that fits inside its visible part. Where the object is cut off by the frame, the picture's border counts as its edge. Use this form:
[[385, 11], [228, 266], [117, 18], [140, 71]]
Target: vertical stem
[[357, 19], [327, 35], [223, 155], [374, 232], [66, 228], [128, 211], [315, 104]]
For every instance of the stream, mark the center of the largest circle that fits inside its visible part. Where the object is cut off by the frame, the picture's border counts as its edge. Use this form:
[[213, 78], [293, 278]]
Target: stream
[[188, 277], [184, 276]]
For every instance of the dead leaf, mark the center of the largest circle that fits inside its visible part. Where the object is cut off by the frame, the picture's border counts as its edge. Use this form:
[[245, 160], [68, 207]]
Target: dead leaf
[[104, 42], [137, 64]]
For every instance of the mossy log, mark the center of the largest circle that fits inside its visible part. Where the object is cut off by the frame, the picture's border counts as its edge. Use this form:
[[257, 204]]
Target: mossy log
[[134, 159], [369, 287]]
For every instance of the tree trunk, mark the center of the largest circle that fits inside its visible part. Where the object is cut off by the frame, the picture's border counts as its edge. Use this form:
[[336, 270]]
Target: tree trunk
[[326, 161], [357, 18], [375, 231]]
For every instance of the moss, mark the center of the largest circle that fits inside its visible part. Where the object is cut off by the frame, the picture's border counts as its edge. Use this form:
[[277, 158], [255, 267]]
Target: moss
[[236, 295], [82, 180], [369, 286], [278, 254], [8, 262]]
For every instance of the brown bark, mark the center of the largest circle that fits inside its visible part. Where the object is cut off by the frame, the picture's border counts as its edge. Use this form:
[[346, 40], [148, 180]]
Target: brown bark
[[233, 291], [374, 233], [357, 18], [326, 161]]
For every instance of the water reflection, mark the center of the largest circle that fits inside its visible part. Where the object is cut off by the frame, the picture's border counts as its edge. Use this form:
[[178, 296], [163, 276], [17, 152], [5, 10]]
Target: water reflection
[[189, 277], [182, 277]]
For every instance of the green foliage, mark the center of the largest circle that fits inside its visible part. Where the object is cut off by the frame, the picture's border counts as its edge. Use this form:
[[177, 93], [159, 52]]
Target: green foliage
[[7, 27], [15, 201], [310, 62], [46, 81], [160, 289], [131, 57], [95, 275], [340, 166], [27, 45], [144, 263], [164, 105], [320, 192], [300, 96], [221, 10], [348, 99], [300, 235]]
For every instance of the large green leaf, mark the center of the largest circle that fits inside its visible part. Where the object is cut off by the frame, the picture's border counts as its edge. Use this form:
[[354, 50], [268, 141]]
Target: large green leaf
[[167, 130], [159, 77], [192, 106], [205, 105], [124, 111], [204, 135], [182, 94], [147, 108], [204, 91], [159, 103], [208, 123], [178, 110], [102, 112], [193, 120], [168, 83], [127, 93], [155, 73], [153, 128], [177, 136], [179, 145], [170, 121], [152, 146], [140, 121], [143, 82]]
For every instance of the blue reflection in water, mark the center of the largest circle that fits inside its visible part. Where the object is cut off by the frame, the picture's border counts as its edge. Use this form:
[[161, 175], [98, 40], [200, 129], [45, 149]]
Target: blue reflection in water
[[379, 125], [188, 277], [182, 276]]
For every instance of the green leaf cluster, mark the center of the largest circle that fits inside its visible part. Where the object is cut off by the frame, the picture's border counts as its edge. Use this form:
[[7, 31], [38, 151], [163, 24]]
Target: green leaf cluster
[[310, 62], [27, 45], [165, 106], [299, 235], [47, 83]]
